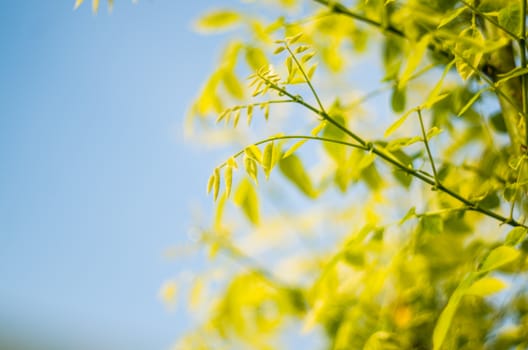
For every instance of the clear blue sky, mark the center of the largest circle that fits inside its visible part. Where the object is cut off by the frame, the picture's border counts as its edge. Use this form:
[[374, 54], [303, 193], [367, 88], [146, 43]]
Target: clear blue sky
[[95, 181]]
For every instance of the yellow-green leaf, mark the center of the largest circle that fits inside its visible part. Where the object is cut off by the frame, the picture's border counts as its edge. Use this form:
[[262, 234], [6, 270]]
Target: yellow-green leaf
[[515, 236], [293, 148], [446, 317], [267, 157], [218, 20], [294, 171], [216, 183], [255, 57], [251, 168], [498, 257], [414, 59], [396, 125], [486, 286], [254, 153], [228, 179], [471, 101], [246, 197]]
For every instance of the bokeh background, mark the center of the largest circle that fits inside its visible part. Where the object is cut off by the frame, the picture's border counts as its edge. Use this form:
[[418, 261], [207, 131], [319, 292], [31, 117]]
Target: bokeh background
[[96, 182]]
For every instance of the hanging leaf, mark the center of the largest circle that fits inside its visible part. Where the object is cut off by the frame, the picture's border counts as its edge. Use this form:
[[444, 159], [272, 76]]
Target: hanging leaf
[[398, 123], [228, 179], [251, 168], [254, 153], [398, 99], [294, 171], [216, 183], [267, 158], [446, 317], [415, 57], [246, 197]]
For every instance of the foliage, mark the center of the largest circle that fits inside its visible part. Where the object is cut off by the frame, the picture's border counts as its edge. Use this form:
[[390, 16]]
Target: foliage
[[403, 230], [372, 227]]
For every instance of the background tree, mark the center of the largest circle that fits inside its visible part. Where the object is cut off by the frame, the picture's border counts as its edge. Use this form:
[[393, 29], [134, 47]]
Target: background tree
[[381, 228], [398, 228]]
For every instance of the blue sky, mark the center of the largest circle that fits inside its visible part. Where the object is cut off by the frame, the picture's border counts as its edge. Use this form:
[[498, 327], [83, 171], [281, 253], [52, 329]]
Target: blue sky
[[95, 180]]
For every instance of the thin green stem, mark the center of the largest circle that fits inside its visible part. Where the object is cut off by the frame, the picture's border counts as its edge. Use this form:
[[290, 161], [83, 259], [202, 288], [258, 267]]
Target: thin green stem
[[427, 148], [370, 147], [306, 78], [297, 137]]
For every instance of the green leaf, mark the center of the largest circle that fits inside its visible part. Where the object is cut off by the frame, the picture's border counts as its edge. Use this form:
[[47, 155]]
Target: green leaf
[[396, 125], [486, 286], [446, 317], [251, 168], [410, 214], [452, 16], [471, 102], [510, 18], [414, 59], [398, 99], [246, 197], [254, 153], [218, 20], [256, 58], [515, 236], [294, 171], [232, 84], [294, 148], [216, 183], [267, 158], [228, 179], [498, 257]]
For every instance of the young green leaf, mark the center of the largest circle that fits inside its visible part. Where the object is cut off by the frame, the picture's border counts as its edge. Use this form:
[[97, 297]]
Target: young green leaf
[[246, 197], [216, 183], [486, 286], [451, 17], [293, 148], [498, 257], [471, 102], [267, 158], [294, 171], [396, 125], [218, 20], [254, 153], [251, 168], [228, 179], [414, 60], [515, 236], [446, 317]]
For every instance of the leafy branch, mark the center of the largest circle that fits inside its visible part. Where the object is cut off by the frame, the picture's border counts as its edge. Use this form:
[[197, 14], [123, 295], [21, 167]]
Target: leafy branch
[[370, 147]]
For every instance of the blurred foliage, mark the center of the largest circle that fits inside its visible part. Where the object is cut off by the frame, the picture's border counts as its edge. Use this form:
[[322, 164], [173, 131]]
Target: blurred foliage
[[397, 227], [375, 192]]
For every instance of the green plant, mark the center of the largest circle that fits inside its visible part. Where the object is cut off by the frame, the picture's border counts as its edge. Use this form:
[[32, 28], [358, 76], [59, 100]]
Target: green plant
[[407, 228]]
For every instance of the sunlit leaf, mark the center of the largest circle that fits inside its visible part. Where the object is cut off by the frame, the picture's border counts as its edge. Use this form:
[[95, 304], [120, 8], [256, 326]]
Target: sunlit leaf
[[515, 236], [246, 198], [486, 286], [218, 20], [293, 169], [498, 257], [414, 60]]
